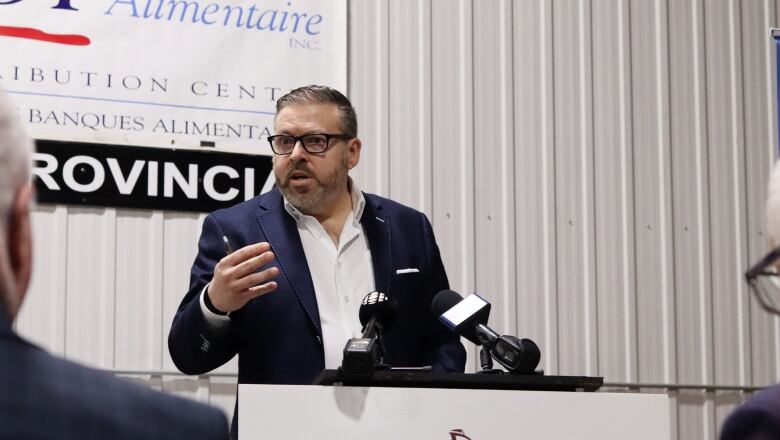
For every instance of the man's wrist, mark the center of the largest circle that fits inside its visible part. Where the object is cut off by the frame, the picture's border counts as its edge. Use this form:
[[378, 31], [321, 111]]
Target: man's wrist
[[209, 305]]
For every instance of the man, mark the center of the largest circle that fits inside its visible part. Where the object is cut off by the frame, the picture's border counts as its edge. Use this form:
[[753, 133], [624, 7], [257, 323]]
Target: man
[[758, 418], [287, 300], [41, 396]]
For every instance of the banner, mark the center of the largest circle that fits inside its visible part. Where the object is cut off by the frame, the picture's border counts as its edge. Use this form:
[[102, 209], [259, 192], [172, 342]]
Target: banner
[[166, 73], [146, 178]]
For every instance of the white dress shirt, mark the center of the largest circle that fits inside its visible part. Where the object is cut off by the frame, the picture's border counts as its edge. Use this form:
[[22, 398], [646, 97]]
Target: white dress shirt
[[341, 276]]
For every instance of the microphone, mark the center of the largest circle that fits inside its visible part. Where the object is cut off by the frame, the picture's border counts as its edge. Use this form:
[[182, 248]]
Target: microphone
[[468, 317], [362, 355], [377, 313]]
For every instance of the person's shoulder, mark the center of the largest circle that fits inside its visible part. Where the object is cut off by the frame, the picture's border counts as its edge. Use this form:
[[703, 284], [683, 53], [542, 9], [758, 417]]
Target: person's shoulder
[[759, 415], [767, 399], [105, 406]]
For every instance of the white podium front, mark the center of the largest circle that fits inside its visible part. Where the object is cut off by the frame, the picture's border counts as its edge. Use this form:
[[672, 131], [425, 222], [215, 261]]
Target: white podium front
[[345, 412]]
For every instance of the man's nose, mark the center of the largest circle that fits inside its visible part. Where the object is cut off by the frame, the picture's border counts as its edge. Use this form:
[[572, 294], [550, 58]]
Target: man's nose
[[298, 151]]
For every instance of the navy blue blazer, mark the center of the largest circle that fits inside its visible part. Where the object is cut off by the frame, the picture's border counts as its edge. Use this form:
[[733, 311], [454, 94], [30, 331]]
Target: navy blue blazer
[[45, 397], [278, 336], [758, 418]]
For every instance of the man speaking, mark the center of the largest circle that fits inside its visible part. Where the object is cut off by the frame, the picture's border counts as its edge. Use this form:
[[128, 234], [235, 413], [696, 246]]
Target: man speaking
[[306, 253]]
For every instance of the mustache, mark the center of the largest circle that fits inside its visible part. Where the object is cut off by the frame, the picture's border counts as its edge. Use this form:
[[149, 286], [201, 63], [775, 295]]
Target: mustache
[[298, 166]]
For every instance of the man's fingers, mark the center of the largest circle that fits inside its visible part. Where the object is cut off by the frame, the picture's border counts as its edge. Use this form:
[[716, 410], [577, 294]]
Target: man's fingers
[[246, 253], [251, 265], [255, 279], [255, 291], [236, 279]]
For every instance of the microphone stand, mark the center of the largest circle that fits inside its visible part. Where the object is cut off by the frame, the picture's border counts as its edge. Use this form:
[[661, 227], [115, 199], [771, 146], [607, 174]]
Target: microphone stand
[[380, 364], [486, 361], [366, 354]]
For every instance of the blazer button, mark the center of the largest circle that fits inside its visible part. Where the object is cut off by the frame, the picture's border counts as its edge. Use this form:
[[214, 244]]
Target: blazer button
[[319, 339]]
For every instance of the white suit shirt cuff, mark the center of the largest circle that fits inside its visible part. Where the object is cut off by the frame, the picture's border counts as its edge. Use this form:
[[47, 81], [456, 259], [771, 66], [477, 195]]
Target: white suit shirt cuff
[[214, 321]]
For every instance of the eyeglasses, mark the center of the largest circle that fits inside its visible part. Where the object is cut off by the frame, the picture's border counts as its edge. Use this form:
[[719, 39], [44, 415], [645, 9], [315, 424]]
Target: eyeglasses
[[284, 144], [764, 282]]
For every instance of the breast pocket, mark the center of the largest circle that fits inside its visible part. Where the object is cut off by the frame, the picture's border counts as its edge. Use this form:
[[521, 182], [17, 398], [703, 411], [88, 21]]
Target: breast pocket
[[407, 283]]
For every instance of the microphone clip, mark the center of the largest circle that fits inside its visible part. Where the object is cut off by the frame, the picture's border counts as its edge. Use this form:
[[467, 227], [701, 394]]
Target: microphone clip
[[364, 355], [486, 362]]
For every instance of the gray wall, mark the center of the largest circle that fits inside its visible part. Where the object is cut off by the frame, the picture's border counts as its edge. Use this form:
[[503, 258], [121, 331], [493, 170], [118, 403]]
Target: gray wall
[[595, 168]]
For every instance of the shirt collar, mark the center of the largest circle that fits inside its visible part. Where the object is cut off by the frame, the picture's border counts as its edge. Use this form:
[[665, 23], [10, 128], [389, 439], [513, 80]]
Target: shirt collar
[[358, 203]]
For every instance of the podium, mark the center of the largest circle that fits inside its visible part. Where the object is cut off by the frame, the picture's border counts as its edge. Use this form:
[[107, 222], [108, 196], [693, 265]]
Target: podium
[[412, 379], [407, 405]]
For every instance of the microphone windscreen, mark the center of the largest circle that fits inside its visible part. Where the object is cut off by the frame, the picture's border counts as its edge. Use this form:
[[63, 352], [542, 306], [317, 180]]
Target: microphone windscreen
[[443, 301], [382, 306]]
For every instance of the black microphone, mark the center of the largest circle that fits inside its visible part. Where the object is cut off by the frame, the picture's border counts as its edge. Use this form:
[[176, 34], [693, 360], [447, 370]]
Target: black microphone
[[377, 313], [362, 355], [468, 317]]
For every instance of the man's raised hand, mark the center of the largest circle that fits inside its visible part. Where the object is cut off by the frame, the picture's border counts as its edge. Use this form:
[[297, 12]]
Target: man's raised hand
[[236, 280]]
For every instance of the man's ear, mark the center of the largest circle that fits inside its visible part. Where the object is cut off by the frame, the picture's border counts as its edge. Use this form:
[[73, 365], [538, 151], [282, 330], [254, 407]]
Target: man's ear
[[354, 146], [20, 243]]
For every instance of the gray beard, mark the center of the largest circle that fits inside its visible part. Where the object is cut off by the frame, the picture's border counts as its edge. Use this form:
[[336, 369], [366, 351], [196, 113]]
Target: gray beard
[[308, 202], [323, 193]]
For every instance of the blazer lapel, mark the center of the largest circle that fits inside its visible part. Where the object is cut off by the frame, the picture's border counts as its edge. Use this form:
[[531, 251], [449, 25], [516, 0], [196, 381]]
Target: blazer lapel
[[282, 233], [376, 225]]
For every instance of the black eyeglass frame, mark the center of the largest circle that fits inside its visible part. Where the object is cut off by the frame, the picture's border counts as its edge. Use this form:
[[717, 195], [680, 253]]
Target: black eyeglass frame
[[760, 270], [296, 139]]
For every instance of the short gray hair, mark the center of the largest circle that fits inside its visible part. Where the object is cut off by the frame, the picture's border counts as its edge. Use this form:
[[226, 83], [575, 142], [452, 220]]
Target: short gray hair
[[773, 207], [315, 94], [15, 164], [15, 156]]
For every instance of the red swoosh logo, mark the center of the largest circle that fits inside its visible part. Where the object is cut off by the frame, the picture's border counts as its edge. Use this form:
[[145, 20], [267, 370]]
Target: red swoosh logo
[[37, 34]]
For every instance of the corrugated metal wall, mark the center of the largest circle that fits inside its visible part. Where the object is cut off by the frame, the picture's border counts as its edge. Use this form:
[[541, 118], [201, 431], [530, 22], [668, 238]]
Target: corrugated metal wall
[[595, 168]]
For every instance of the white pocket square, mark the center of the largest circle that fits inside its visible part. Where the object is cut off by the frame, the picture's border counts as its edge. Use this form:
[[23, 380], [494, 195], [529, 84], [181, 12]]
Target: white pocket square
[[409, 270]]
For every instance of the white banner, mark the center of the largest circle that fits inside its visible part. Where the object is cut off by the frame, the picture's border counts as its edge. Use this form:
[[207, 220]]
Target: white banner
[[166, 73]]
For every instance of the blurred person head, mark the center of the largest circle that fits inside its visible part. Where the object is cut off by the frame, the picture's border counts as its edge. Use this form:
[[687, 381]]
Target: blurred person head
[[773, 210], [764, 276], [759, 416], [15, 198]]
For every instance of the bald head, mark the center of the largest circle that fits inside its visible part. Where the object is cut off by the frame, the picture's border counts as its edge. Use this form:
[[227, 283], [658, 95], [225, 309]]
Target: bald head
[[15, 197]]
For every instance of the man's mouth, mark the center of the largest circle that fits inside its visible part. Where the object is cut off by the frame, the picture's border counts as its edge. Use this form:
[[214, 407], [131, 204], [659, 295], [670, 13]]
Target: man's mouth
[[299, 176]]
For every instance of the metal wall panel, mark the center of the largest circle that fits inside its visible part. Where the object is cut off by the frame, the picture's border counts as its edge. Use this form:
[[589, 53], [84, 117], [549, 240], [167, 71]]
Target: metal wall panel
[[595, 168], [728, 249], [180, 238], [453, 140], [534, 127], [91, 272], [138, 302], [690, 232], [494, 207], [613, 182], [369, 91], [652, 183], [726, 186], [42, 317], [574, 187], [409, 105]]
